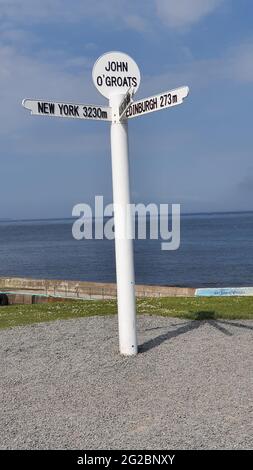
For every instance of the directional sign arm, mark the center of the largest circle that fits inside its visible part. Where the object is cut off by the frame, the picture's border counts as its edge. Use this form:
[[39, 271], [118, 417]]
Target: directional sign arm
[[126, 102], [164, 100], [68, 110]]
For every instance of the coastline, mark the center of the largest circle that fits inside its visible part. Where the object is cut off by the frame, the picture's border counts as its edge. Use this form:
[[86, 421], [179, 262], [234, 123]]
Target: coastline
[[29, 289]]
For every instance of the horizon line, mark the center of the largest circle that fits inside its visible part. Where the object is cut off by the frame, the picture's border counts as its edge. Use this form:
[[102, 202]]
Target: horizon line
[[4, 219]]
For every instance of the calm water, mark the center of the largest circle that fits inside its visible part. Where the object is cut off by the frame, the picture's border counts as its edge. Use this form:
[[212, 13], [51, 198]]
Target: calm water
[[215, 250]]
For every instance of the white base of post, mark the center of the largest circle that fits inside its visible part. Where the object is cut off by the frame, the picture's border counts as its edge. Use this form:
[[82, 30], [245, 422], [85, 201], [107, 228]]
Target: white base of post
[[123, 243]]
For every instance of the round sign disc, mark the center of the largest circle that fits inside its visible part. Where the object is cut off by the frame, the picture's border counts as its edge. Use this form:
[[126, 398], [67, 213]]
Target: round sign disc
[[114, 73]]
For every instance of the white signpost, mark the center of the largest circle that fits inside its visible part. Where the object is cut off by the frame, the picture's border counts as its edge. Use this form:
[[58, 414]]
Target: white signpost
[[117, 78]]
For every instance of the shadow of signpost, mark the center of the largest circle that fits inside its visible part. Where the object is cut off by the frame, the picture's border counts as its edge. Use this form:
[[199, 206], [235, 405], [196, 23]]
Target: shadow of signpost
[[237, 324], [154, 342], [201, 318]]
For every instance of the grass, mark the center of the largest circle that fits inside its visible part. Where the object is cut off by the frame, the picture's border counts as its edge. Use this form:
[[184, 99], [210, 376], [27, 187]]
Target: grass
[[194, 308]]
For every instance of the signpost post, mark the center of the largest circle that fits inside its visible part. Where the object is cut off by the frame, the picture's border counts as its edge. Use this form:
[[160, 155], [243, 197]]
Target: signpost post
[[117, 77], [122, 223]]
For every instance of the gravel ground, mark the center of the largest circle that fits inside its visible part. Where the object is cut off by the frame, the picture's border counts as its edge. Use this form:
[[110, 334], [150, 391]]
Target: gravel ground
[[64, 385]]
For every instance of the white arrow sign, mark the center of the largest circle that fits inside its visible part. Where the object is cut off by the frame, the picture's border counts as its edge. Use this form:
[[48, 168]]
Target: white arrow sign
[[164, 100], [125, 103], [68, 110]]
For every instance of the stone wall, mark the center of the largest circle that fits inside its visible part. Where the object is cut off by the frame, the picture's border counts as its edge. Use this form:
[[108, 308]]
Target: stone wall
[[84, 289]]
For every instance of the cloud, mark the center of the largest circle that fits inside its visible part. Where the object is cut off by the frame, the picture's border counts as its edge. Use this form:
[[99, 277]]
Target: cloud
[[22, 76], [117, 13], [181, 13], [69, 79], [240, 64], [246, 184], [137, 23], [235, 66]]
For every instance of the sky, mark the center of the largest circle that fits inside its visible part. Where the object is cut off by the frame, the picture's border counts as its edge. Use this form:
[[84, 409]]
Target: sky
[[198, 155]]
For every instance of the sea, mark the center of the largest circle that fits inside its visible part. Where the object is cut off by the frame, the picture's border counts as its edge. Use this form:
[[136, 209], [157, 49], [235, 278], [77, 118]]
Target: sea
[[215, 250]]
